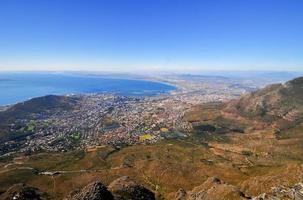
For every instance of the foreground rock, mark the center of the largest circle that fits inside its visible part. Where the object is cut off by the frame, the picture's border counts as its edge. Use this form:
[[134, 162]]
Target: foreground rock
[[283, 193], [93, 191], [212, 189], [21, 192], [181, 194], [125, 189], [120, 189], [215, 189]]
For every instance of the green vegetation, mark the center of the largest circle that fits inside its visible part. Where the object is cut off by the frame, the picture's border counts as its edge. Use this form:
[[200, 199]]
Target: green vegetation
[[30, 127], [207, 133], [76, 136], [146, 137]]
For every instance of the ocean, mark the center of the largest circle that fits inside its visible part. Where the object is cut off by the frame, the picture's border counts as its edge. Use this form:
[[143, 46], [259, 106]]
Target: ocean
[[18, 87]]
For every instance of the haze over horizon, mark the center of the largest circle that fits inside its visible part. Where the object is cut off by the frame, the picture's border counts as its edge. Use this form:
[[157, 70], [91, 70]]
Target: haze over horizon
[[136, 35]]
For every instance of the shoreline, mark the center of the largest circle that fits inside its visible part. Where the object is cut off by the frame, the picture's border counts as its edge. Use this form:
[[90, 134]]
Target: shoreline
[[143, 93]]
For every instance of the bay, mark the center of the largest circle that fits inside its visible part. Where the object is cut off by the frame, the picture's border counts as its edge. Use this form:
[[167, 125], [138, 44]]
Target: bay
[[18, 87]]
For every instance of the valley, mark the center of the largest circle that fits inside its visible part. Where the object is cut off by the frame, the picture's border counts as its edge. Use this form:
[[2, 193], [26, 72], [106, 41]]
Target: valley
[[177, 147]]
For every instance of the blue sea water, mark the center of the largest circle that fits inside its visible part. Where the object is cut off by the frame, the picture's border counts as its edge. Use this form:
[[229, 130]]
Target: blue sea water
[[17, 87]]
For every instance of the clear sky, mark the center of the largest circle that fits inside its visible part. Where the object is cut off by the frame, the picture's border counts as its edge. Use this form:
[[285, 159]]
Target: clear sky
[[134, 35]]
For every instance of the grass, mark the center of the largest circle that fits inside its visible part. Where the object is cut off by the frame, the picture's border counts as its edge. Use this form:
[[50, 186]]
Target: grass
[[166, 165], [146, 137], [164, 130], [13, 177], [76, 136]]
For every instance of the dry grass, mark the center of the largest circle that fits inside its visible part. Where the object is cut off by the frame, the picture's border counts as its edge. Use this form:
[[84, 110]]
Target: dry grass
[[253, 161]]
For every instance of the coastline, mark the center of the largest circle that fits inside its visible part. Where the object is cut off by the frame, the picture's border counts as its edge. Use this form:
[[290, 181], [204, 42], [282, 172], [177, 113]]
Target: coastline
[[144, 92]]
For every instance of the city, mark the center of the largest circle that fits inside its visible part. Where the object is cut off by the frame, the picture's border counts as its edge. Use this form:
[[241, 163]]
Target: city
[[108, 119]]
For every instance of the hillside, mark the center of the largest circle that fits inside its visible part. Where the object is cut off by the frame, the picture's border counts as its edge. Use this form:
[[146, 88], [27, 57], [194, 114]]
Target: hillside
[[275, 102], [35, 108], [277, 105], [259, 132]]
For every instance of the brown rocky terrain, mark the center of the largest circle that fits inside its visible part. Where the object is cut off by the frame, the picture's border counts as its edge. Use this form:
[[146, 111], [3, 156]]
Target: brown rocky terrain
[[120, 189], [212, 189], [281, 104], [22, 192], [216, 189], [262, 133], [93, 191]]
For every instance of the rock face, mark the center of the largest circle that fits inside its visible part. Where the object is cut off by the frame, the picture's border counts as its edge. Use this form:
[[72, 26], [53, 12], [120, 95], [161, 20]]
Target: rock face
[[212, 189], [181, 194], [215, 189], [21, 192], [120, 189], [283, 193], [93, 191], [125, 189]]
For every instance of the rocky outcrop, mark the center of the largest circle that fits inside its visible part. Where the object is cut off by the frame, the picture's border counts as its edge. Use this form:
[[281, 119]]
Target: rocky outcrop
[[93, 191], [120, 189], [125, 189], [283, 193], [215, 189], [212, 189], [181, 194], [21, 192]]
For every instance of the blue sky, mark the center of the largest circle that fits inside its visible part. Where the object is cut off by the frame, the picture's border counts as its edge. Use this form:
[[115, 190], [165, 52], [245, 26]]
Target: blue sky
[[141, 35]]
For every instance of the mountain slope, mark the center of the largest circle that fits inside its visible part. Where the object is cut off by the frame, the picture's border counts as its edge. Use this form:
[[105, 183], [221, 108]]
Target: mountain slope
[[275, 102], [33, 109]]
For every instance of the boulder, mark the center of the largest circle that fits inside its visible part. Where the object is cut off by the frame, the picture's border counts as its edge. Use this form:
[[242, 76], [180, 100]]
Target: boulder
[[125, 189], [93, 191], [181, 194], [21, 192]]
